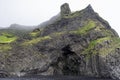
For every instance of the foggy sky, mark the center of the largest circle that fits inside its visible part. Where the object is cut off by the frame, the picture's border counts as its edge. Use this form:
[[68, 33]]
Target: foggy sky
[[34, 12]]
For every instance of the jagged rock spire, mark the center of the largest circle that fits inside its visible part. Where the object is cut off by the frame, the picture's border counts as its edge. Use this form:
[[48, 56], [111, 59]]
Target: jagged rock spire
[[89, 8], [65, 10]]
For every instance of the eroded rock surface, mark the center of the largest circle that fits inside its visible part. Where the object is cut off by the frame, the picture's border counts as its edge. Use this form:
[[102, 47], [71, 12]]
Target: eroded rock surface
[[79, 44], [65, 10]]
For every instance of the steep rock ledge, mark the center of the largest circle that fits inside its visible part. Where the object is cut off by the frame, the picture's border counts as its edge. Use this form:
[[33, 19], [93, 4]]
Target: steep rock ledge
[[79, 44]]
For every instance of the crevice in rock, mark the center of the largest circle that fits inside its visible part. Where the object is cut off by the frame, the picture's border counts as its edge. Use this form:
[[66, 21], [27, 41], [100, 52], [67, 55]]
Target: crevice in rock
[[67, 51], [3, 74], [68, 63]]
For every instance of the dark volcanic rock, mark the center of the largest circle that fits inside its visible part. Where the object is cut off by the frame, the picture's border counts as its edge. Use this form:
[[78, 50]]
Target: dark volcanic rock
[[77, 44], [65, 10], [4, 74]]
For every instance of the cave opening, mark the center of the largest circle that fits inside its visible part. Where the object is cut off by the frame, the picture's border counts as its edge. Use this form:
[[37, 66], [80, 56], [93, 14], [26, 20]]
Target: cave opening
[[67, 51], [70, 62]]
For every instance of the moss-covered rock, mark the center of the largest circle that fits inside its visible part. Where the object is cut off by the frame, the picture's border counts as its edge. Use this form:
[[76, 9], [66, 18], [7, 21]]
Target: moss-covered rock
[[79, 43], [90, 24], [7, 38], [36, 32], [36, 40], [5, 47]]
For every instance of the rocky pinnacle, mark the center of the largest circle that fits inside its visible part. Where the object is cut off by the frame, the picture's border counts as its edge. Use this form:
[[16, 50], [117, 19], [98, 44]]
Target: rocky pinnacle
[[65, 10]]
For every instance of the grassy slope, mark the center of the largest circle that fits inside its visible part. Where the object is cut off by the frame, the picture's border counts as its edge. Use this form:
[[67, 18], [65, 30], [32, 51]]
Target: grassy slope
[[35, 40], [7, 38], [88, 26]]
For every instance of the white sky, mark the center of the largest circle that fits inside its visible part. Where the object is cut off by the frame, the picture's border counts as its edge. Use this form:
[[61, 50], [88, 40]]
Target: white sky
[[34, 12]]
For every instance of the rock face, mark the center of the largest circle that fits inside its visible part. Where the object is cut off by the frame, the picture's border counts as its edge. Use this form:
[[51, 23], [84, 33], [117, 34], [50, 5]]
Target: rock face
[[79, 44], [65, 10]]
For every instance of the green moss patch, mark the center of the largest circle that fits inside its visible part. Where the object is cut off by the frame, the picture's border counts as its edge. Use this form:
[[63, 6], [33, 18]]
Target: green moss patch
[[90, 51], [88, 26], [36, 40], [7, 38], [104, 50], [92, 44], [57, 34], [34, 34], [113, 45], [5, 47]]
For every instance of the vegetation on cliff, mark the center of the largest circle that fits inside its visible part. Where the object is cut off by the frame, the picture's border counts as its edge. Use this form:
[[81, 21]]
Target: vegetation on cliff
[[7, 38], [79, 43]]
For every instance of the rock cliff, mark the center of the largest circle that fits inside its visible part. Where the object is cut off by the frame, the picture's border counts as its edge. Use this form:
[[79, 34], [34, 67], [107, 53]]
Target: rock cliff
[[79, 44]]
